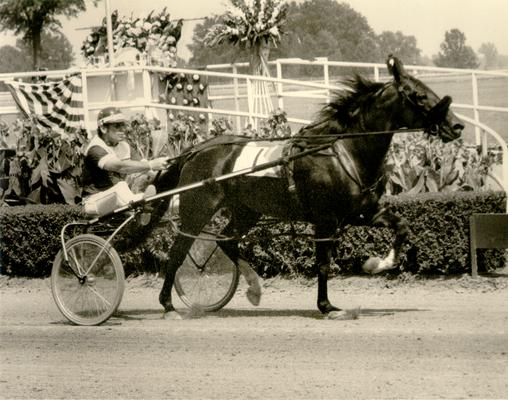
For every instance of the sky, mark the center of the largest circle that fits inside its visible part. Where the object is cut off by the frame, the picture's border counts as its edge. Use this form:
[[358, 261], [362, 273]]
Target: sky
[[480, 20]]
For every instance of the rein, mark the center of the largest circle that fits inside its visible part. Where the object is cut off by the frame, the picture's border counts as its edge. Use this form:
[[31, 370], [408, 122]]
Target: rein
[[332, 137]]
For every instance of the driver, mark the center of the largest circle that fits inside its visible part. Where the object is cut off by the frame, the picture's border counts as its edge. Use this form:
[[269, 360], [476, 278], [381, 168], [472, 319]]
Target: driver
[[108, 161]]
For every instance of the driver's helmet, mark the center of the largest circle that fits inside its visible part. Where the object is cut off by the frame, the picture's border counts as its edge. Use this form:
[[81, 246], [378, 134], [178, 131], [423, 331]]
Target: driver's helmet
[[110, 115]]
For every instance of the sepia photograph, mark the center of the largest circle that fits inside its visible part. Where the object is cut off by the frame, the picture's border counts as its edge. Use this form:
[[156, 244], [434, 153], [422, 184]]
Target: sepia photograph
[[253, 199]]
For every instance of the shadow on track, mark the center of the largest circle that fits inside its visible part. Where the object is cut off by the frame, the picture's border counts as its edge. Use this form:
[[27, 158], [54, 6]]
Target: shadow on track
[[140, 314]]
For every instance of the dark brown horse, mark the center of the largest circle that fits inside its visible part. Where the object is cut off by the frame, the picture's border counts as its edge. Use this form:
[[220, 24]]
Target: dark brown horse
[[339, 185]]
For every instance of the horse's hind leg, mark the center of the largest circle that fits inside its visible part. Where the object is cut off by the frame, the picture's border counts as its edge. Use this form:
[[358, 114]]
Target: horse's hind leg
[[193, 221], [177, 255], [240, 223]]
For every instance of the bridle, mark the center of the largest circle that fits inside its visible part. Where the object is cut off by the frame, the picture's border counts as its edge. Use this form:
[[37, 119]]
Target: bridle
[[433, 117]]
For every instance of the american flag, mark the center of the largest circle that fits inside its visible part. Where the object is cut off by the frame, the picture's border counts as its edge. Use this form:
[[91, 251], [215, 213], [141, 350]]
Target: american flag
[[57, 106]]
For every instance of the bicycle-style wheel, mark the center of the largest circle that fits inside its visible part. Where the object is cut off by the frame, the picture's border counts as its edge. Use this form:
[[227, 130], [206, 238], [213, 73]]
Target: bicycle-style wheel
[[88, 289], [208, 279]]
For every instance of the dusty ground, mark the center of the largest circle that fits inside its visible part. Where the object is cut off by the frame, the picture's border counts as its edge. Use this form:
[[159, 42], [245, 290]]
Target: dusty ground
[[414, 339]]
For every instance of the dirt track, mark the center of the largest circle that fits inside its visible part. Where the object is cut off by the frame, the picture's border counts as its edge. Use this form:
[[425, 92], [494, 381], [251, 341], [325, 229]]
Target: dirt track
[[415, 339]]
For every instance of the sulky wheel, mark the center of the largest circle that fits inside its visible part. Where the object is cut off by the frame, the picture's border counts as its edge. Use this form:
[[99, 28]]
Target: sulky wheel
[[207, 280], [89, 288]]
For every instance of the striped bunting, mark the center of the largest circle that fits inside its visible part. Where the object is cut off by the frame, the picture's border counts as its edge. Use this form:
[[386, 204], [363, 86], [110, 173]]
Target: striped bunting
[[57, 106]]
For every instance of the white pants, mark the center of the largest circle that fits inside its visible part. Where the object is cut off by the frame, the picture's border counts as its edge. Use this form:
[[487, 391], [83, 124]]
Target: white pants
[[111, 199]]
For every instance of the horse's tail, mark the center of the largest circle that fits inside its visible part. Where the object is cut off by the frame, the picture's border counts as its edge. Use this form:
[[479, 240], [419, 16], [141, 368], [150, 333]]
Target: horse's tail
[[169, 178], [164, 181]]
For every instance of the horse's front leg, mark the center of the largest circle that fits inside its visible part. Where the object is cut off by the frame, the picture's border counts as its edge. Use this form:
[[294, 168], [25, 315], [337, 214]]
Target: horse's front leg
[[323, 249], [386, 218], [322, 264]]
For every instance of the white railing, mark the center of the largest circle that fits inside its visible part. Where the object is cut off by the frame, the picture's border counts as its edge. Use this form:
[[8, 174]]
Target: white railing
[[377, 69], [233, 88]]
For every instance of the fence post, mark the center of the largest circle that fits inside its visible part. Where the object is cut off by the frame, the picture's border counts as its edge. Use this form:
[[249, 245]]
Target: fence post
[[326, 75], [147, 92], [84, 93], [480, 140], [376, 73], [280, 98], [250, 101], [237, 95]]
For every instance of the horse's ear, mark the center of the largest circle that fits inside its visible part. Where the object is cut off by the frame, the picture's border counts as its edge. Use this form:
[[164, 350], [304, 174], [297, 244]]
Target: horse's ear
[[438, 113], [395, 67]]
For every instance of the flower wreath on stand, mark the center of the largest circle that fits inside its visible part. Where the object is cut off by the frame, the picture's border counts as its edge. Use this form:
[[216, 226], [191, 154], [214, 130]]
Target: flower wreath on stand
[[256, 26], [154, 36]]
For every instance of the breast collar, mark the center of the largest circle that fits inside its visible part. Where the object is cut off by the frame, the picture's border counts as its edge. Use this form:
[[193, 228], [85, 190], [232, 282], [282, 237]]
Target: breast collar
[[346, 161]]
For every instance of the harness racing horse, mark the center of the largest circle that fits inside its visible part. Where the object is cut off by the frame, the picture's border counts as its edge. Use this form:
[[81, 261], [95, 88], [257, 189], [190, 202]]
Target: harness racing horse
[[341, 184]]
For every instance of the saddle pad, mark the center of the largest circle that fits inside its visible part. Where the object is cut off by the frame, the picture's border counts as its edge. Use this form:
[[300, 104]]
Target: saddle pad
[[256, 153]]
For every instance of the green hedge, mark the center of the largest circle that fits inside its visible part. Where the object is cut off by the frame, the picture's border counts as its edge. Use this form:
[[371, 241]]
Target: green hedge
[[30, 237], [439, 242], [440, 230]]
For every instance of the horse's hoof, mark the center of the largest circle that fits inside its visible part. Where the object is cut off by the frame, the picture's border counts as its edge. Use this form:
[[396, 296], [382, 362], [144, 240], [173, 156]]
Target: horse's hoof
[[343, 315], [171, 316], [254, 295], [372, 265]]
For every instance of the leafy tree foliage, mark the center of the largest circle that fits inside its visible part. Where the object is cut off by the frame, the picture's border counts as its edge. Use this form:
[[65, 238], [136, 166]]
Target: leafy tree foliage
[[455, 53], [56, 51], [30, 18], [222, 53], [316, 28], [490, 55], [405, 47], [12, 59], [502, 61]]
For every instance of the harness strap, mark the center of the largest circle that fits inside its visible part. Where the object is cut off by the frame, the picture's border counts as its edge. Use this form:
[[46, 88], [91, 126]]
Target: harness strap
[[287, 172], [347, 163]]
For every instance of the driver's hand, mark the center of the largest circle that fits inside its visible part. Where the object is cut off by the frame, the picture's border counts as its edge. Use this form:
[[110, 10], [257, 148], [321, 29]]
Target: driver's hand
[[159, 163]]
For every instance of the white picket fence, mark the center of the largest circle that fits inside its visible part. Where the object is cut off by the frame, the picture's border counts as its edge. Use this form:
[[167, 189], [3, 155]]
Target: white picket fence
[[134, 88]]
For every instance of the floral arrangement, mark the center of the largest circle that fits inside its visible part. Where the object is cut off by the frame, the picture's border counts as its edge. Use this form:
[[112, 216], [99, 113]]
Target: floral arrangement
[[154, 36], [254, 25], [250, 23]]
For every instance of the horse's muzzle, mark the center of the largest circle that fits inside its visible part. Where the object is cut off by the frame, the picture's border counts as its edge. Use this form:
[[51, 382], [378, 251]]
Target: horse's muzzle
[[454, 132], [457, 129]]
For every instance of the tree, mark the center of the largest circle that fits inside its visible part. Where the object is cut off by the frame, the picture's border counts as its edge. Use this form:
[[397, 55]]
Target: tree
[[55, 53], [221, 53], [12, 59], [315, 28], [31, 18], [398, 44], [490, 55], [325, 28], [455, 53]]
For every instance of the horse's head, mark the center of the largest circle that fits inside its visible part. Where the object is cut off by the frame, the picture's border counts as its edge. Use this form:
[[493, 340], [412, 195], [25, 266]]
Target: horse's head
[[422, 107]]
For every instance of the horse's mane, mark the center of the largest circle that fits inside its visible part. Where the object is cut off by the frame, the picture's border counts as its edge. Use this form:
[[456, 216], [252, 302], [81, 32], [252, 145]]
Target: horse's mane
[[346, 103]]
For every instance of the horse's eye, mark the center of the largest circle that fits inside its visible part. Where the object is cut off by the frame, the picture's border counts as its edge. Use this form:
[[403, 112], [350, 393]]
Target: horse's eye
[[421, 96]]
